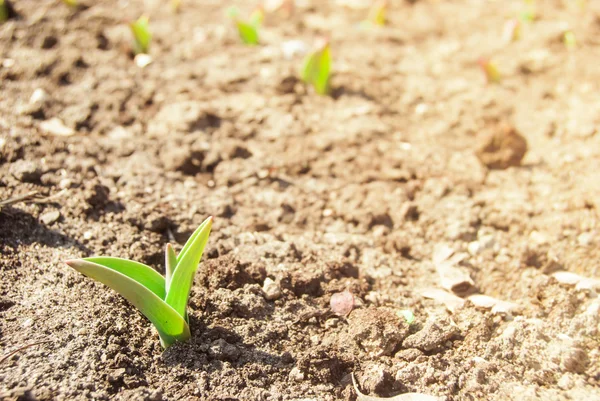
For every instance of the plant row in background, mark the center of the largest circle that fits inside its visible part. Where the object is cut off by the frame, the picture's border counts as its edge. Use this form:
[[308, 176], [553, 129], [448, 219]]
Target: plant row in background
[[316, 68]]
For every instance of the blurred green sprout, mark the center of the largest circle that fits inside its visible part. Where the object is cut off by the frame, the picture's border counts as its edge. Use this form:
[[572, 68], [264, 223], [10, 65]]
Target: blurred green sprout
[[529, 14], [6, 11], [512, 30], [71, 3], [377, 13], [141, 35], [490, 70], [163, 300], [247, 29], [316, 68], [569, 40]]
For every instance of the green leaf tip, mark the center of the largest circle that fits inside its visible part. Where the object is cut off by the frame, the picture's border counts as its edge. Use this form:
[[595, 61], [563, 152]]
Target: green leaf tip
[[163, 300], [316, 67], [247, 29], [141, 35]]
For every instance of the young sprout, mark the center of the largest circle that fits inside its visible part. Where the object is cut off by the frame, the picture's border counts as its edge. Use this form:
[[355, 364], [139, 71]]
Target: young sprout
[[175, 5], [141, 35], [512, 30], [492, 75], [163, 300], [248, 30], [7, 11], [377, 13], [530, 13], [316, 67], [71, 3], [569, 40]]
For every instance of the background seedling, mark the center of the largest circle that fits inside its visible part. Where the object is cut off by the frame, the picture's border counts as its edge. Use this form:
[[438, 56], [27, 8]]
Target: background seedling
[[529, 14], [377, 13], [248, 30], [71, 3], [163, 300], [492, 75], [316, 67], [569, 40], [7, 11], [141, 35], [512, 30]]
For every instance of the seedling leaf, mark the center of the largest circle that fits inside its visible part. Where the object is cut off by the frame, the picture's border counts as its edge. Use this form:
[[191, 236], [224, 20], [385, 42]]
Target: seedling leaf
[[183, 276], [377, 13], [317, 67], [191, 240], [170, 324], [141, 35], [143, 274], [247, 30], [170, 264], [7, 11], [492, 74]]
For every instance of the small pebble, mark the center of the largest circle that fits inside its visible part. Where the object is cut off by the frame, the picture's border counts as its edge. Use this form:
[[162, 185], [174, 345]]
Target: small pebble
[[56, 127], [271, 289], [50, 217]]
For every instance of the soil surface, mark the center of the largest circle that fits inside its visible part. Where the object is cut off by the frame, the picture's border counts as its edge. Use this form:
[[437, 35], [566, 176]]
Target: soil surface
[[415, 186]]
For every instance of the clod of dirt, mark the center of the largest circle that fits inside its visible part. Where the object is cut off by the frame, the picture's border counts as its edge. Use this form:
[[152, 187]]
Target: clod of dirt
[[375, 378], [433, 335], [184, 159], [97, 197], [223, 351], [504, 147], [378, 331], [26, 171], [342, 303]]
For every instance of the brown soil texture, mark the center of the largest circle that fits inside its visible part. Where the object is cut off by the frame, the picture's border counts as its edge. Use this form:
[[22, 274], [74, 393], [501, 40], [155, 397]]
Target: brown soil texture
[[415, 186]]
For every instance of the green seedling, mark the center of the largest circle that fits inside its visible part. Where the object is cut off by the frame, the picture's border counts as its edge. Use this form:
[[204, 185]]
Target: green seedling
[[7, 11], [163, 300], [408, 316], [569, 40], [512, 30], [141, 35], [316, 68], [489, 68], [248, 30], [71, 3], [529, 14], [377, 13]]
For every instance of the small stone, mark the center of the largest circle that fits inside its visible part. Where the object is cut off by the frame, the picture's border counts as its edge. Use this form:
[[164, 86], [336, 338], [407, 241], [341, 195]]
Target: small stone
[[585, 239], [296, 374], [88, 235], [56, 127], [504, 147], [271, 289], [50, 217], [142, 60], [342, 303], [39, 96]]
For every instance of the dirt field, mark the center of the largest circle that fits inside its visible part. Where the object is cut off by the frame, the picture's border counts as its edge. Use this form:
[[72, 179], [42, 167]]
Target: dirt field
[[405, 187]]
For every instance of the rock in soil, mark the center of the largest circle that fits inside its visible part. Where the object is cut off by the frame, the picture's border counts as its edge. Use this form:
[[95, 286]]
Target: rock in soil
[[502, 148]]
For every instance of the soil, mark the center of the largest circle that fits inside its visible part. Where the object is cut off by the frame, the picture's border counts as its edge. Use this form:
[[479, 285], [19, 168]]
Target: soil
[[415, 186]]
